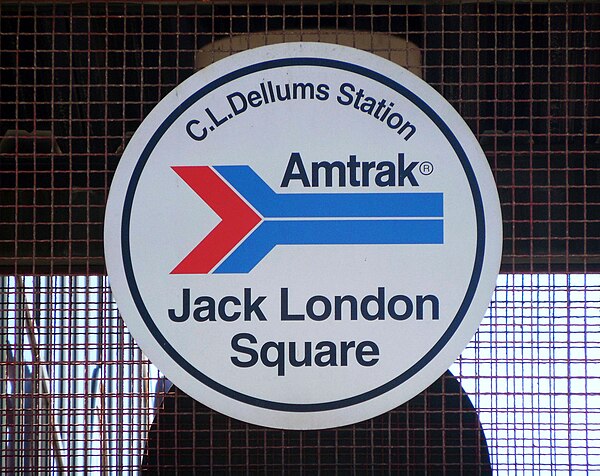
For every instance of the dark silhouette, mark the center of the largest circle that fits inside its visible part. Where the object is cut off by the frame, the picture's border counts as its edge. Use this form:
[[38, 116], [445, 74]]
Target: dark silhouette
[[437, 432]]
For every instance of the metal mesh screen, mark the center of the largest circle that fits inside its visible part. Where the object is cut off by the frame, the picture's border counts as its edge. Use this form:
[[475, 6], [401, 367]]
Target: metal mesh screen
[[77, 395]]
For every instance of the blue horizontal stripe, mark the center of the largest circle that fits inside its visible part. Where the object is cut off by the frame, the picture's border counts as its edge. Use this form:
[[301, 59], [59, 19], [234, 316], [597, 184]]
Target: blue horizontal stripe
[[328, 232], [328, 205]]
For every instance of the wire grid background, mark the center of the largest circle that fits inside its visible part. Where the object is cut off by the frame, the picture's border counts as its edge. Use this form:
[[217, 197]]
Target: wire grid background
[[77, 79]]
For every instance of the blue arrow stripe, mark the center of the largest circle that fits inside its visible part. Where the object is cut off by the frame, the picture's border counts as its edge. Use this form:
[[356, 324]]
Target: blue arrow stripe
[[328, 232], [314, 205]]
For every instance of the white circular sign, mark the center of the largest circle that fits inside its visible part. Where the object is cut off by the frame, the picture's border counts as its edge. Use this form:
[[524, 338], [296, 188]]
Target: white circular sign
[[303, 235]]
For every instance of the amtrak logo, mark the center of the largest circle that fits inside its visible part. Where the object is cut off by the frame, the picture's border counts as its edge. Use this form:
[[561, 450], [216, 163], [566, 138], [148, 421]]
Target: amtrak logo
[[255, 219], [303, 236]]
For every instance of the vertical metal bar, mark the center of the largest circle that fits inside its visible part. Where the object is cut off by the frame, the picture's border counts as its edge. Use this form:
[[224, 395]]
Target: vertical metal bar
[[20, 435], [6, 392]]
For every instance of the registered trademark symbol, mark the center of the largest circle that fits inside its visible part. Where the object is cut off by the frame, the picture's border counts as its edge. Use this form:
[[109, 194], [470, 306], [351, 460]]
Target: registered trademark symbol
[[426, 168]]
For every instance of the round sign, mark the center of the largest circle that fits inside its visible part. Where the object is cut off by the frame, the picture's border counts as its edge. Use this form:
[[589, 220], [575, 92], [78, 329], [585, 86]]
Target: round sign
[[303, 235]]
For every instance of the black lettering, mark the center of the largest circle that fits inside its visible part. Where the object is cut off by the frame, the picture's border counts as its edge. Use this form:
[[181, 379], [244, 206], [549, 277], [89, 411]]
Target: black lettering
[[343, 90], [310, 308], [379, 301], [359, 95], [243, 104], [191, 133], [345, 347], [205, 310], [253, 306], [328, 167], [306, 361], [407, 125], [289, 175], [279, 361], [271, 92], [185, 312], [339, 300], [254, 99], [386, 177], [394, 120], [327, 357], [407, 311], [304, 91], [406, 173], [285, 315], [386, 112], [322, 92], [380, 105], [368, 105], [366, 168], [435, 306], [353, 167], [281, 96], [264, 93], [216, 122], [223, 308], [367, 349], [235, 345]]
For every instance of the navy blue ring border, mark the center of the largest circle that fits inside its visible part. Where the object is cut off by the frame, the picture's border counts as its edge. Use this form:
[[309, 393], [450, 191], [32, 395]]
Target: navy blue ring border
[[302, 407]]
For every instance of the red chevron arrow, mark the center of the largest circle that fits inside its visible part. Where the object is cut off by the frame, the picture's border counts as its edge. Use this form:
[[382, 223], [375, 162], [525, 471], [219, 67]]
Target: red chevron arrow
[[237, 219]]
